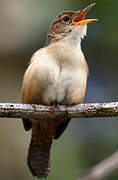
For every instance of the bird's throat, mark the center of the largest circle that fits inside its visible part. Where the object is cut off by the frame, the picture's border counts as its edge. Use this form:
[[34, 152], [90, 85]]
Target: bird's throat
[[66, 52]]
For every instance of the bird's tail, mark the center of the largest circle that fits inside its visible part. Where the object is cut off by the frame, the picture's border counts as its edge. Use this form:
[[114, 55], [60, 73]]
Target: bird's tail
[[39, 160], [39, 152]]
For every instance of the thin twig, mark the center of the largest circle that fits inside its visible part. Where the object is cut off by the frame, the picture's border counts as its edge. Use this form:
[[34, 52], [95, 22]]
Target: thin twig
[[103, 169], [90, 110]]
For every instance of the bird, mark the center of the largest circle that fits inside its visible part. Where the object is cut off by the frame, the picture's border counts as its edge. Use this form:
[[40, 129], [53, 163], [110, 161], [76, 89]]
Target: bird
[[56, 75]]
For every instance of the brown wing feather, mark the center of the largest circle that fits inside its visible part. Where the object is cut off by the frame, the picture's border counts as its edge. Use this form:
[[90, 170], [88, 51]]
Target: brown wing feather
[[27, 124], [27, 97], [60, 129]]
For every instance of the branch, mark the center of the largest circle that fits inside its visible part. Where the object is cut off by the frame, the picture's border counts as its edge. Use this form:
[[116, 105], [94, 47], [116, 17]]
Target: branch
[[103, 169], [90, 110], [34, 111]]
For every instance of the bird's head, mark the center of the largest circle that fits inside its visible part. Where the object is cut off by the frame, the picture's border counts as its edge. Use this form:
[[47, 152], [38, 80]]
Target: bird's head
[[70, 24]]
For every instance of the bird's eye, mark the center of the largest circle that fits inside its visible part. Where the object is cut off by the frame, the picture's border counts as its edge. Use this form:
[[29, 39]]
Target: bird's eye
[[66, 18]]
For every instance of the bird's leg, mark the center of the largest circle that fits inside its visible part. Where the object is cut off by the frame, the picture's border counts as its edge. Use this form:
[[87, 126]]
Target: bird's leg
[[54, 105]]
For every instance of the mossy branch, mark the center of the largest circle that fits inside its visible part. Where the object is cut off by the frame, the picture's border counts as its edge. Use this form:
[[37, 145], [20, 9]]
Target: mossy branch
[[33, 111]]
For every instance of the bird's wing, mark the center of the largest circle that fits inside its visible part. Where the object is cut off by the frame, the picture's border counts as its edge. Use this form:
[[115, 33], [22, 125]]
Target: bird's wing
[[29, 92], [60, 129]]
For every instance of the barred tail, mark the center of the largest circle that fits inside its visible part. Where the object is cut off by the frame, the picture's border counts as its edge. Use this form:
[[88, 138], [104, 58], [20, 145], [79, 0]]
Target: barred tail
[[39, 151], [39, 160]]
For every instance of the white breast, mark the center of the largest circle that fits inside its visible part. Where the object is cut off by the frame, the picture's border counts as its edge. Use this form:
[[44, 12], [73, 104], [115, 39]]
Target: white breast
[[59, 75]]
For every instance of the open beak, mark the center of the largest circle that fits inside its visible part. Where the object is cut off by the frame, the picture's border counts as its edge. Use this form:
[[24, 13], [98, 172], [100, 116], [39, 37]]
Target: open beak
[[79, 19]]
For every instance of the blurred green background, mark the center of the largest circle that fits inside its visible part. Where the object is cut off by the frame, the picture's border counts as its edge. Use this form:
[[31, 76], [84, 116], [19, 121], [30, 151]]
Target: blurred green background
[[23, 29]]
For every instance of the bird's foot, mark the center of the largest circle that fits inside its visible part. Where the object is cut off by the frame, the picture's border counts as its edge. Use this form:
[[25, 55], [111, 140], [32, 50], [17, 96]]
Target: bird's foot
[[55, 105]]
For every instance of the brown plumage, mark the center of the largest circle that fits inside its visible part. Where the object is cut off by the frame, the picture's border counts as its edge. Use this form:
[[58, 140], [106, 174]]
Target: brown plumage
[[39, 151], [57, 74]]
